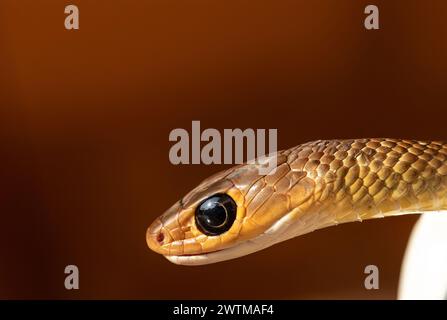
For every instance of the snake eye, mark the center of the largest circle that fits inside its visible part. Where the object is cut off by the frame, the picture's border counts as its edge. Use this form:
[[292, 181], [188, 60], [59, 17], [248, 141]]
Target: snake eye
[[216, 214]]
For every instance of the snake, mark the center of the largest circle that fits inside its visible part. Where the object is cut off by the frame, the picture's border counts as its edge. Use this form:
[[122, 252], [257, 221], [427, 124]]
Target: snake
[[314, 185]]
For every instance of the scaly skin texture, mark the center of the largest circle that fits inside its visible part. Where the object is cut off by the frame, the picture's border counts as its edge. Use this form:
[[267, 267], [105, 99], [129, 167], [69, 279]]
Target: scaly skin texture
[[315, 185]]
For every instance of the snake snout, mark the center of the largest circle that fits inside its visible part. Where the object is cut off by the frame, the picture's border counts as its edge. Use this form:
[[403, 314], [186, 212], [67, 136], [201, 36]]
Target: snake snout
[[155, 237]]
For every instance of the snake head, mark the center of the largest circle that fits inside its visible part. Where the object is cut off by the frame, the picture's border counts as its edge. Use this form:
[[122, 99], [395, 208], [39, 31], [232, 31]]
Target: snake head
[[230, 214]]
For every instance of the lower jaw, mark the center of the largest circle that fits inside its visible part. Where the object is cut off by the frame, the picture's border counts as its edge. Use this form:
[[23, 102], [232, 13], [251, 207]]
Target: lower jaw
[[266, 239], [218, 256], [188, 260], [193, 259]]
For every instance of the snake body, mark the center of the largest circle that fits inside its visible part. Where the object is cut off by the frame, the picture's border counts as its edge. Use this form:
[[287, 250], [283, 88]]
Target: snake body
[[315, 185]]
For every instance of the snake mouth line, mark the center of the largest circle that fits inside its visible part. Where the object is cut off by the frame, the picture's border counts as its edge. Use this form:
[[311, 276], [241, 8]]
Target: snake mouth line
[[239, 250], [208, 258], [258, 243], [191, 254]]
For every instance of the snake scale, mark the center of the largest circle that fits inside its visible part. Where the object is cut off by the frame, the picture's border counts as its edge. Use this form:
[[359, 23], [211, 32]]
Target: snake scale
[[315, 185]]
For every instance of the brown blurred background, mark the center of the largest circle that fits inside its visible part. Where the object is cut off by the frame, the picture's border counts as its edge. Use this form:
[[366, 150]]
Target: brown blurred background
[[85, 117]]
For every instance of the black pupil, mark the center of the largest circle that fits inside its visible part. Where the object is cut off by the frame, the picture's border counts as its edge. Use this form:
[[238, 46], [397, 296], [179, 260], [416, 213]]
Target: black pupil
[[216, 214]]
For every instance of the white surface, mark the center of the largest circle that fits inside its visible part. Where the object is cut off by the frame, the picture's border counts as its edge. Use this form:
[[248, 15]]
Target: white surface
[[424, 269]]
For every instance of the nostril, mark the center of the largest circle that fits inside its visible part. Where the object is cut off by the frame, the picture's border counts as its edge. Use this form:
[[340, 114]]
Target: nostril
[[160, 237]]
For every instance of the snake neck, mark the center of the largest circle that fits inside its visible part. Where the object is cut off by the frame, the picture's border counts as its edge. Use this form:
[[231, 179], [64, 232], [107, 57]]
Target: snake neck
[[355, 180]]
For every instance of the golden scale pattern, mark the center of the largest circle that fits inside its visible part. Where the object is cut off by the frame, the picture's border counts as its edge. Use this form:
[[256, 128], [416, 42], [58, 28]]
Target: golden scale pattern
[[321, 183], [355, 179]]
